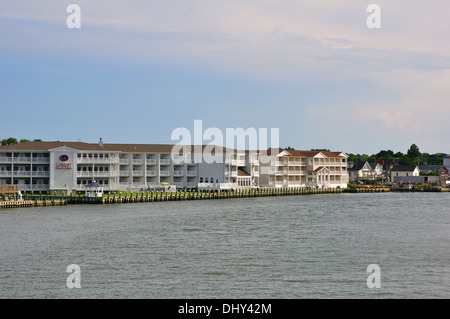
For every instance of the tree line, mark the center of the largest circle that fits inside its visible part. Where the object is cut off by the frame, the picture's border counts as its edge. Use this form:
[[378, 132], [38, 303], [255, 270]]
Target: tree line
[[412, 157], [13, 140]]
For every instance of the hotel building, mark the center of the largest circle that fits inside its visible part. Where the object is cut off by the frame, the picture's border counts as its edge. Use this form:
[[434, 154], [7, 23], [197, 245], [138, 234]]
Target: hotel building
[[67, 167]]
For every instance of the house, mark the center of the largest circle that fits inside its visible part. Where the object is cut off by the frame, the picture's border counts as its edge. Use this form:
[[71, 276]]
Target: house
[[365, 170], [399, 172], [446, 163], [440, 169]]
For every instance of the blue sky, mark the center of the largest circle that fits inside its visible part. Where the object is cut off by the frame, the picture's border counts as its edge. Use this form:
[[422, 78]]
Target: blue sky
[[137, 70]]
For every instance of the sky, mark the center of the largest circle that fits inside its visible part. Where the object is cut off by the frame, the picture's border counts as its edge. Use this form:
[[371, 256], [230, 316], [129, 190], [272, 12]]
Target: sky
[[135, 71]]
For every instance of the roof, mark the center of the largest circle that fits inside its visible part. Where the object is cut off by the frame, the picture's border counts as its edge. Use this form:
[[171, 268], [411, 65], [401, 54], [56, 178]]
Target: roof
[[403, 168], [301, 153], [93, 185], [45, 146], [318, 168], [434, 168]]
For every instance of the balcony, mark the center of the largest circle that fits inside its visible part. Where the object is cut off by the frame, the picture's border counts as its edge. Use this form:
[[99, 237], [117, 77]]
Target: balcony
[[235, 162], [179, 184], [34, 187], [178, 162], [191, 173], [97, 160], [41, 160], [138, 173], [124, 161], [151, 173], [231, 174], [22, 173], [40, 174], [6, 173], [138, 161], [191, 185], [92, 174], [164, 173], [178, 173], [151, 161], [4, 159], [164, 161], [124, 173]]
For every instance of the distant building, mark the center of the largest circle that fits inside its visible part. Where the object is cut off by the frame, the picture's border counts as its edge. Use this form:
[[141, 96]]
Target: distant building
[[400, 171], [433, 168], [447, 162], [365, 170]]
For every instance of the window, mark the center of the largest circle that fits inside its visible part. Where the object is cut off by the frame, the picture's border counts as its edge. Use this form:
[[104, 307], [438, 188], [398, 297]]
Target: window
[[211, 180], [90, 155], [79, 155], [201, 179], [84, 155]]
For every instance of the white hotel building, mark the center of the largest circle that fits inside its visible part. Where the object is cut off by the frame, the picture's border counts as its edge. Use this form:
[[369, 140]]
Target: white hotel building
[[67, 167]]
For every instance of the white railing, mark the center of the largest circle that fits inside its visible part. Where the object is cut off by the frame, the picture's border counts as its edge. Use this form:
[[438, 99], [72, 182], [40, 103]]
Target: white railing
[[40, 173], [138, 173], [164, 173], [6, 173], [33, 187], [22, 173], [151, 173], [164, 161], [87, 160], [5, 159], [179, 184], [124, 173], [93, 174], [43, 160], [191, 173], [178, 162], [151, 161], [137, 162], [178, 173], [124, 161]]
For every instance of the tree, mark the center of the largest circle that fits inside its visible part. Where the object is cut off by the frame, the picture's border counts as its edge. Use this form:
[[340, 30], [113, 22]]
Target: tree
[[9, 141], [23, 140], [413, 153]]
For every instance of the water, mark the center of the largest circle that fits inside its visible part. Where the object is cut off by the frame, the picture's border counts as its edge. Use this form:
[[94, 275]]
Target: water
[[281, 247]]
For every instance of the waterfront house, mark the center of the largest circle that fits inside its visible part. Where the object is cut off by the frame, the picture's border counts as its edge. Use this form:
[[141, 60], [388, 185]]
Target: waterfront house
[[440, 169], [360, 170], [446, 162], [399, 172]]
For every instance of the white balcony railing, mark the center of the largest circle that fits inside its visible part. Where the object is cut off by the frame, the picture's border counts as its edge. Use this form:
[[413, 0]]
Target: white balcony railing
[[124, 161], [93, 160], [124, 173], [33, 187], [164, 161], [4, 159], [164, 173], [178, 173], [138, 161], [151, 161], [6, 173], [178, 162], [191, 173], [40, 174], [151, 173], [138, 173]]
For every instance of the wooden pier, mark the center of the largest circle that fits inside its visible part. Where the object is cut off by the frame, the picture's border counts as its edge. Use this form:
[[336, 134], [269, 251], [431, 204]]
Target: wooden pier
[[32, 203]]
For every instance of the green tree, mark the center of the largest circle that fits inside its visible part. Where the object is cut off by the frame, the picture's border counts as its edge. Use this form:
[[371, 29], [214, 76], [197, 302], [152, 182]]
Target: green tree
[[414, 153], [23, 140], [9, 141]]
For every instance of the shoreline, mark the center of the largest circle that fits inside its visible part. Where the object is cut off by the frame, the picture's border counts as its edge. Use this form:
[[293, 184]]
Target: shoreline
[[141, 197]]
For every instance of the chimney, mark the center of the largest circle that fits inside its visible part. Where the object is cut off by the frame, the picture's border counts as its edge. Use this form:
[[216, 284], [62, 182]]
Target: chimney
[[100, 143]]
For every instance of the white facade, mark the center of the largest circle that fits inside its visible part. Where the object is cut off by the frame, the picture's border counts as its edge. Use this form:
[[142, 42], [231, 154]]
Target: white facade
[[67, 167], [303, 169]]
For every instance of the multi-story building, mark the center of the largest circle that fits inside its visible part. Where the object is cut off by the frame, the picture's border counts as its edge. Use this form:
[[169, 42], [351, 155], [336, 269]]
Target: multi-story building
[[69, 166], [293, 168]]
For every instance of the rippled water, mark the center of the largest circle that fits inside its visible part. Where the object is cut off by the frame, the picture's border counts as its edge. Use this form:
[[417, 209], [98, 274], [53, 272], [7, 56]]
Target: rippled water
[[281, 247]]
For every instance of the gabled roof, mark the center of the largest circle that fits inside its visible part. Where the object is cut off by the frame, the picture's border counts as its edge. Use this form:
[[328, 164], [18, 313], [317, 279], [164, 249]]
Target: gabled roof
[[432, 168], [359, 166], [404, 168], [243, 173]]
